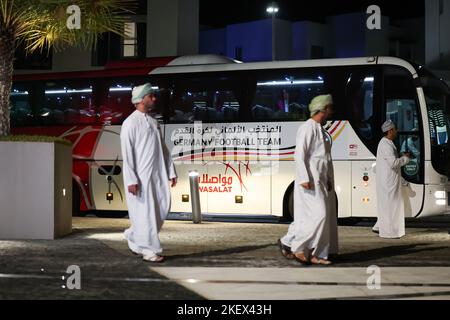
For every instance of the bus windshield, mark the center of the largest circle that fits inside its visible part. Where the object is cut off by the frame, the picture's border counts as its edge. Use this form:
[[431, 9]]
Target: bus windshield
[[437, 96]]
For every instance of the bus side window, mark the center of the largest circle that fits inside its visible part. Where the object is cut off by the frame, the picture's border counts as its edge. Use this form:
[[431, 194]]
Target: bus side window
[[359, 100], [114, 99], [285, 95], [67, 103], [21, 112], [206, 99]]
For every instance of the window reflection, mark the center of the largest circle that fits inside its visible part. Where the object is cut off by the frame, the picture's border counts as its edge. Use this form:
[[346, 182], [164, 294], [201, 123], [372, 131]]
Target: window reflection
[[21, 113], [66, 104], [285, 97], [205, 99]]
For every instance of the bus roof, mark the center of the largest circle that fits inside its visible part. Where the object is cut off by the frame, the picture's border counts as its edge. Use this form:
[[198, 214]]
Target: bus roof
[[206, 65], [119, 68]]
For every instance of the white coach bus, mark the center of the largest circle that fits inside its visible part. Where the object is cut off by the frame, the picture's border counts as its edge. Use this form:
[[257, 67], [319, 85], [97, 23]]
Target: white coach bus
[[235, 124]]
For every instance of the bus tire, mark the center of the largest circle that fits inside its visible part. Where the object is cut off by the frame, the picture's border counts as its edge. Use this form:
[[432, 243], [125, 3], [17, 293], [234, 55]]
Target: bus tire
[[288, 204], [111, 214], [288, 207]]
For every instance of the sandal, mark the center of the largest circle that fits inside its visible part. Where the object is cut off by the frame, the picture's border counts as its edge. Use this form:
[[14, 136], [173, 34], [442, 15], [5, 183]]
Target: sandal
[[320, 261], [155, 258], [285, 250], [300, 257]]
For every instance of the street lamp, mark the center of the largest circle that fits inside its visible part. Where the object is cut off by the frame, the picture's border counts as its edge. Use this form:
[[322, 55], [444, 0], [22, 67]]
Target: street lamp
[[272, 10]]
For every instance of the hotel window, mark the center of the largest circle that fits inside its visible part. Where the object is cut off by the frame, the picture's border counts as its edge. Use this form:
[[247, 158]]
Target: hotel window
[[130, 40]]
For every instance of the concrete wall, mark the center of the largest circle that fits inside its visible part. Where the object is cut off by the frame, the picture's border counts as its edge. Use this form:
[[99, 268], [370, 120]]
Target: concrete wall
[[64, 61], [437, 53], [283, 39], [255, 39], [348, 35], [306, 34], [377, 41], [414, 30], [213, 41], [32, 203], [172, 27]]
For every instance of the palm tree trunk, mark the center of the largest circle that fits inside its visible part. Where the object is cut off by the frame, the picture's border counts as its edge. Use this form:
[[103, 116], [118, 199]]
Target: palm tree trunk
[[7, 46]]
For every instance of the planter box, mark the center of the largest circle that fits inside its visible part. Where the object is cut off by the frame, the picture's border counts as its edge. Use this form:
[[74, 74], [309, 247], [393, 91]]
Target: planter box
[[35, 190]]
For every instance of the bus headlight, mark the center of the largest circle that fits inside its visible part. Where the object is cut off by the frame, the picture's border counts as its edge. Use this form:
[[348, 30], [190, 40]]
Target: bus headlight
[[441, 202]]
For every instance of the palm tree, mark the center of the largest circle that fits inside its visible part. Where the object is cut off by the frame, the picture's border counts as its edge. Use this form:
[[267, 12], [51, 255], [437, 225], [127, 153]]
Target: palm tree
[[39, 25]]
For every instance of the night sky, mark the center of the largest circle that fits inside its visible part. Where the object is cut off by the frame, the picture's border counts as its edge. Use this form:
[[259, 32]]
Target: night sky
[[219, 13]]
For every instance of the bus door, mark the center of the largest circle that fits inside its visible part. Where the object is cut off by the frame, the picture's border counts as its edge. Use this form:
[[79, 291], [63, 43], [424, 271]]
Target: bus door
[[362, 105], [402, 107]]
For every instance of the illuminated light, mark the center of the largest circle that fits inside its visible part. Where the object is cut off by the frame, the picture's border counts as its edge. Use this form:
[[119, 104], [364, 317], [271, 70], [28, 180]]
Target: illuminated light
[[369, 79], [64, 192], [284, 83], [365, 200], [67, 91], [192, 280], [193, 173], [439, 194], [185, 198], [109, 196], [120, 89], [19, 93], [366, 184], [272, 9], [45, 114], [441, 202], [239, 199]]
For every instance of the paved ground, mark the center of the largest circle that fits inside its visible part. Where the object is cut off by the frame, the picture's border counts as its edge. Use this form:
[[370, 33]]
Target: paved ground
[[223, 260]]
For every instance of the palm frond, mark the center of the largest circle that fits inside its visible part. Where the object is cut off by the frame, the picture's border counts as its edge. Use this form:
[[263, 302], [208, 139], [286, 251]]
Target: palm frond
[[41, 24]]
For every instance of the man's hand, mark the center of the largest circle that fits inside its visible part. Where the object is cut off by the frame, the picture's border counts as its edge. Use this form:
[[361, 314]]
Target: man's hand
[[174, 182], [306, 185], [133, 189], [407, 154]]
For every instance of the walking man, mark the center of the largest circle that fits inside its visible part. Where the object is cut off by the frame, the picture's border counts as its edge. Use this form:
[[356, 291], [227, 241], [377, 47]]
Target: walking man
[[147, 169], [313, 234]]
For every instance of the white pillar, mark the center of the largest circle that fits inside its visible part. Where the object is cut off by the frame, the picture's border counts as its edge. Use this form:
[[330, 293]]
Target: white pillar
[[172, 27]]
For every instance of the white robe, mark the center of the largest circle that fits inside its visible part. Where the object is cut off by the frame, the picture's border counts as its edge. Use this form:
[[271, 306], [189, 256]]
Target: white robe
[[315, 218], [390, 205], [146, 162]]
